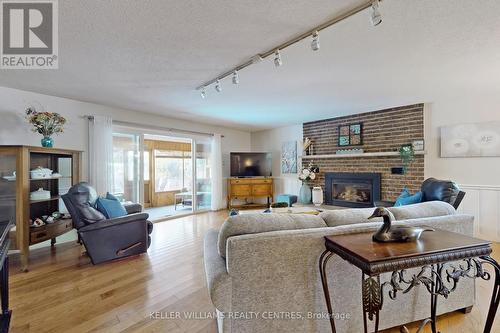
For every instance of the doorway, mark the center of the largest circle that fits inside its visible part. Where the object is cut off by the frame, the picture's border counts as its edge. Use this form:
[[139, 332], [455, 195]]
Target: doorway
[[170, 175]]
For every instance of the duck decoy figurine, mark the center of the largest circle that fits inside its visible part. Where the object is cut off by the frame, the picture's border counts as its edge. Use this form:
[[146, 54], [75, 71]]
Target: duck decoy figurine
[[389, 233]]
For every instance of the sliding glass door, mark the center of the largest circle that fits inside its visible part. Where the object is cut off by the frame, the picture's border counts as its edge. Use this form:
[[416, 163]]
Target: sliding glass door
[[170, 175], [202, 170], [127, 166]]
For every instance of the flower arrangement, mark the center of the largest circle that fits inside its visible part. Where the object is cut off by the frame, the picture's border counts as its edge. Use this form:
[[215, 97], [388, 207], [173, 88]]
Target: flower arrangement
[[45, 123], [307, 173]]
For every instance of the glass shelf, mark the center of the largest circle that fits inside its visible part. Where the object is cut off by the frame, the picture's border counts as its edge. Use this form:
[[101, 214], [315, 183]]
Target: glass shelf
[[53, 198]]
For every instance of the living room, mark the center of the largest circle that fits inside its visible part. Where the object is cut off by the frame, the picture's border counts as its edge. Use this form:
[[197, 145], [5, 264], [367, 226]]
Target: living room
[[249, 167]]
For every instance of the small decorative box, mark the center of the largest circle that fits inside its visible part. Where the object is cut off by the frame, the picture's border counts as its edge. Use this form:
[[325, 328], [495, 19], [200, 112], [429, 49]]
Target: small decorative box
[[40, 194]]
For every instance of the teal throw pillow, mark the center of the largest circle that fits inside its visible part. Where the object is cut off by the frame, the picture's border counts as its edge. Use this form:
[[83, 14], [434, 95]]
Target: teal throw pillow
[[409, 200], [110, 208]]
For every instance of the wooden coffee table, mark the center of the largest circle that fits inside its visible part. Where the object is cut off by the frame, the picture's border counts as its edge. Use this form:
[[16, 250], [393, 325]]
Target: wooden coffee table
[[436, 253]]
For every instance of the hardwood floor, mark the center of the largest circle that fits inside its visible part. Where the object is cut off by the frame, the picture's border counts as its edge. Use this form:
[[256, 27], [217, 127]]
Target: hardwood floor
[[63, 292]]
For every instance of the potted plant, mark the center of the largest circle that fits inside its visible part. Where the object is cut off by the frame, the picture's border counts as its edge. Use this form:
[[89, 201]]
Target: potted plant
[[306, 174], [407, 154], [45, 123]]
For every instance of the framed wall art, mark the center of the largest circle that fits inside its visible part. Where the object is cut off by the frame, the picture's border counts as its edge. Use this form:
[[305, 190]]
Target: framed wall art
[[351, 135], [471, 140], [289, 157]]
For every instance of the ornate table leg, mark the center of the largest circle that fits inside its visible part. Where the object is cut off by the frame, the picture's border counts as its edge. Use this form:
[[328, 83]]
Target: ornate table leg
[[323, 260], [434, 296], [372, 299], [495, 297]]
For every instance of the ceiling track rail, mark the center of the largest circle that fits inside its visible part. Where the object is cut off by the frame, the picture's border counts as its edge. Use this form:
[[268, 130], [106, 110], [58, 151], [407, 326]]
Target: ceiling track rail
[[309, 33]]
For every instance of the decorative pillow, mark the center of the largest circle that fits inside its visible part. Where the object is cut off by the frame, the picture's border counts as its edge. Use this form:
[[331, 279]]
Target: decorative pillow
[[110, 208], [405, 193], [409, 200], [111, 197]]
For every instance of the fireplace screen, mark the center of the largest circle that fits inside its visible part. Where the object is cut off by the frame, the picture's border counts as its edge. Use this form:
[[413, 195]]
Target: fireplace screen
[[352, 192]]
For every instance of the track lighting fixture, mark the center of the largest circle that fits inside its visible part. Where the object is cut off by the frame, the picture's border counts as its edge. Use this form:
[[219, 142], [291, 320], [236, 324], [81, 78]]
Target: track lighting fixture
[[376, 17], [218, 86], [203, 93], [315, 41], [236, 78], [277, 59]]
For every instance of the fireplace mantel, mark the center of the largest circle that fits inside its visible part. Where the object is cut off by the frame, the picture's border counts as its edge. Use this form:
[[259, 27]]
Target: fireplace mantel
[[374, 154]]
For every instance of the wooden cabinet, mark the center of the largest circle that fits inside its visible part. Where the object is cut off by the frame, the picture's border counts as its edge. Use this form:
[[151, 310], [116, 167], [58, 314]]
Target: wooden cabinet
[[248, 189], [15, 192]]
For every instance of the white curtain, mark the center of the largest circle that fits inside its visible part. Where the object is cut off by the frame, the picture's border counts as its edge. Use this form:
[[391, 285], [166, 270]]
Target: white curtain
[[216, 167], [101, 153]]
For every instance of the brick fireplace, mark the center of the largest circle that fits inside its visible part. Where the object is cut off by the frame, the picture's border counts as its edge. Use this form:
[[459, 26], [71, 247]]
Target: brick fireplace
[[358, 190], [383, 131]]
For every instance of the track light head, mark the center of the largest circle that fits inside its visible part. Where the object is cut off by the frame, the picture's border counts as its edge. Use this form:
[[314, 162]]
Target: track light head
[[236, 77], [277, 59], [315, 41], [376, 17], [203, 93], [218, 86]]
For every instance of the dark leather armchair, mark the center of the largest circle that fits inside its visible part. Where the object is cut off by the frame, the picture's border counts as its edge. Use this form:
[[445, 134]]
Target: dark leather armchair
[[442, 190], [435, 190], [107, 239]]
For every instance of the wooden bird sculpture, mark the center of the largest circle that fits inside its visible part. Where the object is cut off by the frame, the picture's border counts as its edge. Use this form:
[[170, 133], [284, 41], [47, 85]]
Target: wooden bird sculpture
[[389, 233]]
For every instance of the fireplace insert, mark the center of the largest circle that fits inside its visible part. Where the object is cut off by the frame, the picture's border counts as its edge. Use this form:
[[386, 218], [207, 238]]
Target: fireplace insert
[[359, 190]]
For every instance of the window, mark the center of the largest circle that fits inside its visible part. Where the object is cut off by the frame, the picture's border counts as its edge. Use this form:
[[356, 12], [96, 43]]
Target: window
[[172, 171]]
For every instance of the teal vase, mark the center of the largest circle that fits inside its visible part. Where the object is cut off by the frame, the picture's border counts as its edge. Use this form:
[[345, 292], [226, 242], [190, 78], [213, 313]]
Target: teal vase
[[47, 142], [305, 194]]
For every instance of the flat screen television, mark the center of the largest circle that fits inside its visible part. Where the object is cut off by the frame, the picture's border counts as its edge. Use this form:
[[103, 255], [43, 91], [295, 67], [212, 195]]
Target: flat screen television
[[251, 165]]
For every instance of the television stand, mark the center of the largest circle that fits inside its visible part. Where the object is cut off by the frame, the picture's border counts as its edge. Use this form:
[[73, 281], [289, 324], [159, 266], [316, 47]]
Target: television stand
[[249, 188]]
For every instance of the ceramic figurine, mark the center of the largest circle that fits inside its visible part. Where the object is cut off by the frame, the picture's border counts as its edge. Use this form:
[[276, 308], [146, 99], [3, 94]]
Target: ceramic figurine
[[38, 222], [389, 233], [56, 215]]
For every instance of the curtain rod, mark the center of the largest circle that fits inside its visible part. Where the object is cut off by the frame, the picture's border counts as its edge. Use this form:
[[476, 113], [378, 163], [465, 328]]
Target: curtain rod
[[157, 128]]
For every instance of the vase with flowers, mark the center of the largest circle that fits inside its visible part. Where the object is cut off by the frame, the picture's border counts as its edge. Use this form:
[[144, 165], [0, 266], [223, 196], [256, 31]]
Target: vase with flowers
[[46, 124], [305, 175]]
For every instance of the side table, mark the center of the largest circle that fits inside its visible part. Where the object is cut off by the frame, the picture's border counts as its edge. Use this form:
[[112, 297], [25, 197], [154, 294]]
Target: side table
[[435, 253]]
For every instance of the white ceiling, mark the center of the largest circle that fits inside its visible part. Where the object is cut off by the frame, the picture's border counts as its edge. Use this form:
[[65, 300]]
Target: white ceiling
[[150, 55]]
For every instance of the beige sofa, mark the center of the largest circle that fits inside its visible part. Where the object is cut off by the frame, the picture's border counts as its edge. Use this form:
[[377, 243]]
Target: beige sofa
[[262, 271]]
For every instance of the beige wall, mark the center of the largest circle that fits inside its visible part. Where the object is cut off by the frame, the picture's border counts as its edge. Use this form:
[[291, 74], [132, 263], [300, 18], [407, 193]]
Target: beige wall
[[270, 141], [14, 129], [451, 111]]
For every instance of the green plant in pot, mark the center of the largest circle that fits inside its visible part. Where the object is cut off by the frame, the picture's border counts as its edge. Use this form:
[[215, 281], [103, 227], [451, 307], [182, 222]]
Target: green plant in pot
[[46, 124], [407, 154]]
